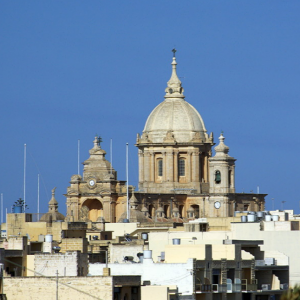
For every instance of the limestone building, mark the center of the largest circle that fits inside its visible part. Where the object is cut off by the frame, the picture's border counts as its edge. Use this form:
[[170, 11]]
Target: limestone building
[[178, 175]]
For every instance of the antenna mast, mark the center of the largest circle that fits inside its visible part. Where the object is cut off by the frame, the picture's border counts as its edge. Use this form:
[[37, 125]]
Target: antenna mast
[[111, 157], [1, 208], [78, 151], [38, 196], [128, 210], [24, 178]]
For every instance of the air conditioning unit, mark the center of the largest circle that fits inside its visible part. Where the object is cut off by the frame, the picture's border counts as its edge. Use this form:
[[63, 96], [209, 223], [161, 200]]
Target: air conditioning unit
[[269, 261], [266, 287], [284, 286]]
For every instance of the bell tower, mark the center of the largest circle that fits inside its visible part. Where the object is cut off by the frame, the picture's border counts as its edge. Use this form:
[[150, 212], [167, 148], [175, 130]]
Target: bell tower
[[94, 196], [222, 179], [222, 167]]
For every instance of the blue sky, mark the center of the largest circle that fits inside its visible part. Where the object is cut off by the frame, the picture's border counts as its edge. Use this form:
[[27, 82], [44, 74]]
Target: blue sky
[[73, 69]]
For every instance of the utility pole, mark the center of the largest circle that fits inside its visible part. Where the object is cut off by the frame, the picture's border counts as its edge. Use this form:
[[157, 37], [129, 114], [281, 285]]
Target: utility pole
[[56, 284]]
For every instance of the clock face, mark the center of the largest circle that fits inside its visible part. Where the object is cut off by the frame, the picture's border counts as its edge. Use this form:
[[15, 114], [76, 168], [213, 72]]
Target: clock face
[[92, 182], [217, 204]]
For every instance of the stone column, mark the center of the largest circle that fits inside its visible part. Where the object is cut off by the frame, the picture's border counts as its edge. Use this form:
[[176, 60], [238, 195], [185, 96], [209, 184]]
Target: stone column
[[195, 167], [146, 166], [189, 167], [175, 166], [141, 166], [233, 177], [152, 167], [106, 208], [205, 168], [113, 218], [170, 167]]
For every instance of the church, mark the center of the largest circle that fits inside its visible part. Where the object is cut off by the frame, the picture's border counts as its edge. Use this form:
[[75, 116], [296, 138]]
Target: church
[[179, 177]]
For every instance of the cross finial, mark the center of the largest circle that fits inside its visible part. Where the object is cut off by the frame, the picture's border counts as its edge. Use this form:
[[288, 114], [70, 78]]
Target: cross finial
[[174, 51], [99, 139]]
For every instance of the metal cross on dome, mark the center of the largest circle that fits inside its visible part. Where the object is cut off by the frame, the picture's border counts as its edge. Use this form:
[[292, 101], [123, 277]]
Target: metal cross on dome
[[99, 140], [174, 51]]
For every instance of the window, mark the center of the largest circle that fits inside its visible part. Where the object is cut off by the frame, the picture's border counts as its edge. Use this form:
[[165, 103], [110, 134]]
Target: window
[[181, 167], [218, 177], [160, 167]]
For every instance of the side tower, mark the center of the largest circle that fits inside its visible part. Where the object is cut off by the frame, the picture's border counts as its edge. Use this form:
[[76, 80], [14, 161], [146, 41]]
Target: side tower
[[95, 195], [174, 148], [222, 179]]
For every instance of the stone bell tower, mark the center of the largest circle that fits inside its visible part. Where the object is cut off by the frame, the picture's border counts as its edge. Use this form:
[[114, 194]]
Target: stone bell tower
[[222, 179], [94, 196]]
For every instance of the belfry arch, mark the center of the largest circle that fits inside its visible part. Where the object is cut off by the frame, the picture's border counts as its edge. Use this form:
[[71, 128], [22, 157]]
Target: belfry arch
[[95, 209]]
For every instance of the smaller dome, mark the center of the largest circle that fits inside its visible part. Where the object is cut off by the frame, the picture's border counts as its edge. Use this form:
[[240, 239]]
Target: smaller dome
[[52, 214]]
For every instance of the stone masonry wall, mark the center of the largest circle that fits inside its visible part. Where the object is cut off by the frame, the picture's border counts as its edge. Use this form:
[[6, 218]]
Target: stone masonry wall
[[37, 288], [67, 264]]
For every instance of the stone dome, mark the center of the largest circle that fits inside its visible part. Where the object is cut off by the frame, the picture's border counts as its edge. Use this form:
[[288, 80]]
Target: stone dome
[[174, 118], [53, 214]]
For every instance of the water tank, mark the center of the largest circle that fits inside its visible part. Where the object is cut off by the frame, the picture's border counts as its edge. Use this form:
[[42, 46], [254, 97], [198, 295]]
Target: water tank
[[236, 212], [275, 218], [144, 235], [48, 238], [147, 254], [244, 219], [95, 237], [125, 221], [251, 218], [17, 209], [260, 214], [162, 255], [268, 218], [176, 241]]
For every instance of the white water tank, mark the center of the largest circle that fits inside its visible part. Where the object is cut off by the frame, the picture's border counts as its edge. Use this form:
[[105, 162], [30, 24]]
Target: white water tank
[[260, 214], [48, 238], [251, 218], [144, 235], [275, 218], [176, 241], [244, 219], [268, 218], [147, 254]]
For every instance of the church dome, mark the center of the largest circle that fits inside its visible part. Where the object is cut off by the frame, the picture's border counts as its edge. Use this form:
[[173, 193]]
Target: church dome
[[174, 116]]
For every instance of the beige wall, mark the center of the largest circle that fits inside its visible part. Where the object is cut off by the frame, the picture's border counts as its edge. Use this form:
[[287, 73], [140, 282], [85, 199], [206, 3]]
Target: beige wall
[[156, 292], [30, 265], [76, 244], [181, 253], [119, 229], [37, 288], [223, 251], [16, 225]]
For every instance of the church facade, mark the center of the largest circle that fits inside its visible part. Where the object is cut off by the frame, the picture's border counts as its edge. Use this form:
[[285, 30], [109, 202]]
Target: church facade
[[179, 178]]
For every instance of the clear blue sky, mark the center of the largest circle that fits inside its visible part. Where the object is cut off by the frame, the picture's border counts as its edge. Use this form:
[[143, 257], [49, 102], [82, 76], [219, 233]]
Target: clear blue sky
[[71, 69]]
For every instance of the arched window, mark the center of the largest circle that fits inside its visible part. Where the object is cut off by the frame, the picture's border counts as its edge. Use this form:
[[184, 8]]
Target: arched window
[[218, 177], [181, 167], [160, 167]]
